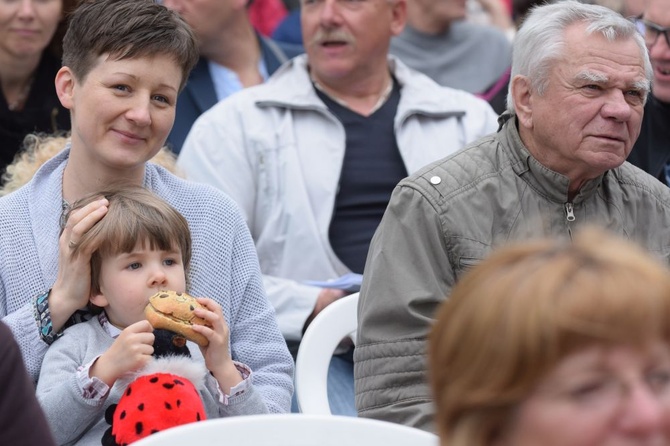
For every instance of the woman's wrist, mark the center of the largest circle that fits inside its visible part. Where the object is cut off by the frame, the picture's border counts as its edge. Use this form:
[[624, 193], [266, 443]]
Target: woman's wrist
[[44, 318], [61, 309]]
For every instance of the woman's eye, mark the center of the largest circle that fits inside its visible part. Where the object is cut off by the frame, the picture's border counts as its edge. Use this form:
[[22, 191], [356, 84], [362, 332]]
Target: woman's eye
[[591, 390], [161, 98]]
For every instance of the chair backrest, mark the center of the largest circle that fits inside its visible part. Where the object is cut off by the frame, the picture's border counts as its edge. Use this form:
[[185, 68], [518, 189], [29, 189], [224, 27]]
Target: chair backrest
[[291, 430], [320, 340]]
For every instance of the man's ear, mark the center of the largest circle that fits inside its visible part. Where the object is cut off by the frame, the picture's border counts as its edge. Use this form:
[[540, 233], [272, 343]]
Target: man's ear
[[399, 17], [522, 95], [65, 83]]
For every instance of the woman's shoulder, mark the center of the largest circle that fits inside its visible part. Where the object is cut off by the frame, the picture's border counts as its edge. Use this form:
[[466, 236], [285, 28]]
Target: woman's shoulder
[[190, 197], [14, 207]]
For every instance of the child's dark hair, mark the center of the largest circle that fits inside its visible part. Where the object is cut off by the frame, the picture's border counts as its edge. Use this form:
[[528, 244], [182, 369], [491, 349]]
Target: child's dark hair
[[135, 215]]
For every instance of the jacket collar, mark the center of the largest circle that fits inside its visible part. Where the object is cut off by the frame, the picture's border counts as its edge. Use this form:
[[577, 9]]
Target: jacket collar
[[291, 87], [545, 181], [200, 86]]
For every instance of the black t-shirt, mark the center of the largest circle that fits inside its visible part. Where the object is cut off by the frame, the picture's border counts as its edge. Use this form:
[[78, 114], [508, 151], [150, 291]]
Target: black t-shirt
[[371, 168]]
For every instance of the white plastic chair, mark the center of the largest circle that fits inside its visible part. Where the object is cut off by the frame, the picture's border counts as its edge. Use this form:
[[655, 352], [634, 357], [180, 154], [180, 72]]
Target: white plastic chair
[[291, 430], [335, 322]]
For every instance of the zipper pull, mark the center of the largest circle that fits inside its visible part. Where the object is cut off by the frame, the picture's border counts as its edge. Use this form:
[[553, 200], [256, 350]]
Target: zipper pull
[[569, 212]]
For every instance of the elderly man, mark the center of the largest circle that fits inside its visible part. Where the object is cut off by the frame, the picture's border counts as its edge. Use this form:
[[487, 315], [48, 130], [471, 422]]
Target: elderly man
[[455, 52], [580, 79], [232, 56], [652, 149], [312, 155]]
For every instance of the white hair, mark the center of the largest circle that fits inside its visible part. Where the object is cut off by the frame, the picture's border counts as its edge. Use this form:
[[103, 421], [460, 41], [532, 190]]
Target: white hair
[[541, 40]]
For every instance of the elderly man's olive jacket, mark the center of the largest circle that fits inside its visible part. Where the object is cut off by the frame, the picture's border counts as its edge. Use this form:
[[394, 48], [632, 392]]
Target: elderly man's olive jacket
[[450, 215]]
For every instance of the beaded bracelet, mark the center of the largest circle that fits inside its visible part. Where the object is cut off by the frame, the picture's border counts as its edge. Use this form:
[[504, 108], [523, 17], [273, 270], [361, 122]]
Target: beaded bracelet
[[43, 318]]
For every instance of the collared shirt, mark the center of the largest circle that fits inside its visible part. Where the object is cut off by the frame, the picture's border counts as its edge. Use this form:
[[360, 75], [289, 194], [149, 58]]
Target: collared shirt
[[226, 81]]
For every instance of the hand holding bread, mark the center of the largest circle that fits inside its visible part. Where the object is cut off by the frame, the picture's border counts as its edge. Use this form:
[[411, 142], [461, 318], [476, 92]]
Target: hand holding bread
[[175, 311], [199, 320]]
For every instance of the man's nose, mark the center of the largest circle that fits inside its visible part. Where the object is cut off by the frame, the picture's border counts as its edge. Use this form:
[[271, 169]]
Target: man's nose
[[616, 106], [330, 13]]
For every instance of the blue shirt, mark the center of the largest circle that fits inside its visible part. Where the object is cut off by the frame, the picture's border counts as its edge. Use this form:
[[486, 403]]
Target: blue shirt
[[226, 81]]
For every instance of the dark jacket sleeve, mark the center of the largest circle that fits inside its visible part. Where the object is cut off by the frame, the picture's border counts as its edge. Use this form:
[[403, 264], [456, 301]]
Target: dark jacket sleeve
[[21, 418]]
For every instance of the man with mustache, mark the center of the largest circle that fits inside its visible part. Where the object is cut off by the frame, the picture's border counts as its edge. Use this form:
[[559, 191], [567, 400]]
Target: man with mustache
[[312, 155], [580, 78], [652, 149]]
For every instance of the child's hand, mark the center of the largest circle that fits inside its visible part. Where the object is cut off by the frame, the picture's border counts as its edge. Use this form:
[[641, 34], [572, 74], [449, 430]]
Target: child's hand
[[217, 356], [130, 351]]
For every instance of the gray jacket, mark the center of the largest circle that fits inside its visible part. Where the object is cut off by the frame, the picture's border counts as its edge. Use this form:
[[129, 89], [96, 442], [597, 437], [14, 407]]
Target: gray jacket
[[447, 217]]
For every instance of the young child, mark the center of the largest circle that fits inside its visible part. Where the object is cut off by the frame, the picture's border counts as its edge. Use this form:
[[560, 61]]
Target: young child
[[141, 246]]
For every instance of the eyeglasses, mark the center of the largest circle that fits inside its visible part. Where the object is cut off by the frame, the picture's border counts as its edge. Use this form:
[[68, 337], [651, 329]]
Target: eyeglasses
[[607, 393], [650, 31]]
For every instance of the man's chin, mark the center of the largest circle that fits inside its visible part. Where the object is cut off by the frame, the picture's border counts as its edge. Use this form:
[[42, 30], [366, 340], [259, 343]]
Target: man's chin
[[660, 87], [609, 162]]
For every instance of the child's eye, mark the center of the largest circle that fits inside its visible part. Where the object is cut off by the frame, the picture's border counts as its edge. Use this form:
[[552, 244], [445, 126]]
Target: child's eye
[[134, 265], [170, 262]]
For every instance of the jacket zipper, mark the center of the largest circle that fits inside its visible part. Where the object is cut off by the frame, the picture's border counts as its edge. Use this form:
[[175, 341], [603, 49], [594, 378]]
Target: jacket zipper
[[569, 212], [570, 217]]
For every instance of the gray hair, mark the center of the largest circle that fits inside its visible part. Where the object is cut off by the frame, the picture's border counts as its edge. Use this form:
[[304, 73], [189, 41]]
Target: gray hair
[[541, 39]]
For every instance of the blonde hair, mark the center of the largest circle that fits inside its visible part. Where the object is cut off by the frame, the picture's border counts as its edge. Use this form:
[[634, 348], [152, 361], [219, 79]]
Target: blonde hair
[[135, 216], [39, 148], [512, 318]]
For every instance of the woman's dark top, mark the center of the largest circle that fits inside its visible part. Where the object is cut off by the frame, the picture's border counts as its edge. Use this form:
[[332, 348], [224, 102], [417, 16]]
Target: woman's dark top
[[21, 418], [42, 112]]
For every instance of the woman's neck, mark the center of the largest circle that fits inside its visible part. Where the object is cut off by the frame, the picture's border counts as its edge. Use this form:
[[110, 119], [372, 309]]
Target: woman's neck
[[16, 78], [84, 176]]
